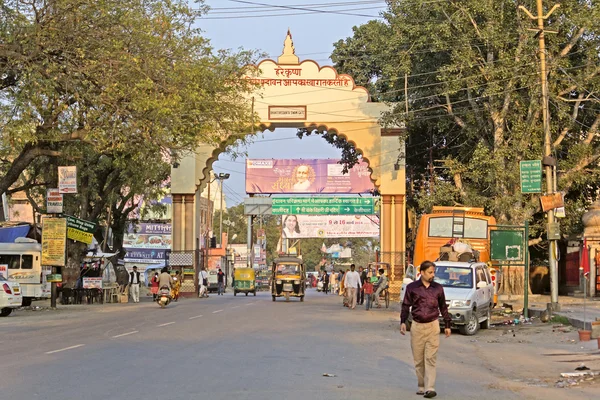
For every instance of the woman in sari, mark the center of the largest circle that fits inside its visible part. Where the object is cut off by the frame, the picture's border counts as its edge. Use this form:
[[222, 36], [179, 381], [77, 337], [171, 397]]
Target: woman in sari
[[176, 285], [154, 285]]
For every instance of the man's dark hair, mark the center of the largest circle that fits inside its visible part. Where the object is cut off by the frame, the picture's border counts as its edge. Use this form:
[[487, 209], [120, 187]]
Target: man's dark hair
[[425, 265]]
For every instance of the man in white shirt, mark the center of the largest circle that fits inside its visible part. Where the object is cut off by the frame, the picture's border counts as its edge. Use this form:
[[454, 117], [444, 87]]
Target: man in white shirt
[[134, 285], [351, 283], [203, 281]]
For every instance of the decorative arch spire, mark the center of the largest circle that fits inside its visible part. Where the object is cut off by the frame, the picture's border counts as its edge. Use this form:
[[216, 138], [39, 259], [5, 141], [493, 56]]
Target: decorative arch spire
[[288, 56]]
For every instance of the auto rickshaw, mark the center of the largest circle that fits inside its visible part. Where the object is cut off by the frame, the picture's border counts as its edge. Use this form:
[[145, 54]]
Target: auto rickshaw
[[245, 281], [288, 278]]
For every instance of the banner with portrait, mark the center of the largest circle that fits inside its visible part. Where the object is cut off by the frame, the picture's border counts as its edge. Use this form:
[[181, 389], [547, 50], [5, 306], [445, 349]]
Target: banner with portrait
[[312, 176]]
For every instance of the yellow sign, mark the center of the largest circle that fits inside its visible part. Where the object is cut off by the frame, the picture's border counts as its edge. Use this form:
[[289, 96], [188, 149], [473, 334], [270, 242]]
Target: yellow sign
[[80, 236], [54, 239]]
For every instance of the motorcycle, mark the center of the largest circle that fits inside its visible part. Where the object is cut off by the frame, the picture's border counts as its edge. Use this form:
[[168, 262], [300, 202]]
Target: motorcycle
[[163, 298]]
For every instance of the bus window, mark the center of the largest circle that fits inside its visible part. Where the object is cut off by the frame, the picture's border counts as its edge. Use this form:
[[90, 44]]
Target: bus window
[[476, 228], [473, 229], [12, 260], [27, 261]]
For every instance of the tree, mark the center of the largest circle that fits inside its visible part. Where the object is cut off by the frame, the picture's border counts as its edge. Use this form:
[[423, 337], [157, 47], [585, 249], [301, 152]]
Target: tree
[[116, 75], [474, 98]]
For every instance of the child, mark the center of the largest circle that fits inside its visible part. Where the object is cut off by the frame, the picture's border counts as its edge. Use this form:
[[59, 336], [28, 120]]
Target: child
[[368, 288]]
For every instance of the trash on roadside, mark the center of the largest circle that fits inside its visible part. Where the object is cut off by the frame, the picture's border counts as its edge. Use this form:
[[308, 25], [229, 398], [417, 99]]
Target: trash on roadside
[[582, 367], [329, 375]]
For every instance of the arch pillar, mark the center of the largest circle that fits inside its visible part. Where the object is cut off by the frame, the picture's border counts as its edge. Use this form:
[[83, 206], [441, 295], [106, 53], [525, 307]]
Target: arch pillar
[[189, 222], [177, 221]]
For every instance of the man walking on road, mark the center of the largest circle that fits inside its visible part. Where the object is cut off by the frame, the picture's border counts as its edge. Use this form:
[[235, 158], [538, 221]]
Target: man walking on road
[[352, 283], [203, 281], [427, 300], [220, 282], [134, 285]]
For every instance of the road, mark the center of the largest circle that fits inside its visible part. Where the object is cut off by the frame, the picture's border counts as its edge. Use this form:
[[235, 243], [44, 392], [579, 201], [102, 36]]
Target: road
[[227, 347]]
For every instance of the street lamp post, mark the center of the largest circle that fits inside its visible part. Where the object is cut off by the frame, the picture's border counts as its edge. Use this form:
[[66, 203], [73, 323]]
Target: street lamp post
[[221, 177]]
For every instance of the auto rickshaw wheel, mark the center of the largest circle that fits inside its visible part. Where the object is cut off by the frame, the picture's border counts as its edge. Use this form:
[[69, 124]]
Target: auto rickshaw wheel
[[255, 293], [301, 298], [287, 296], [246, 294], [235, 293], [273, 297]]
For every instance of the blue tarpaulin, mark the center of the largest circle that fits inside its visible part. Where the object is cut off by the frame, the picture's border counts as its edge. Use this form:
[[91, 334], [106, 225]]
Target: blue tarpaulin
[[10, 233]]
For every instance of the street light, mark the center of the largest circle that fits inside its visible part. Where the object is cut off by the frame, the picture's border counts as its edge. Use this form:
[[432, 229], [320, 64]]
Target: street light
[[221, 177]]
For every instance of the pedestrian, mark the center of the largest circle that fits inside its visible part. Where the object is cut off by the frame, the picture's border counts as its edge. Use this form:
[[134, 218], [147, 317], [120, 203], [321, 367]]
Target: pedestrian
[[381, 284], [203, 280], [134, 285], [368, 292], [325, 282], [352, 284], [360, 294], [154, 286], [428, 301], [333, 283], [220, 282], [177, 280], [233, 277]]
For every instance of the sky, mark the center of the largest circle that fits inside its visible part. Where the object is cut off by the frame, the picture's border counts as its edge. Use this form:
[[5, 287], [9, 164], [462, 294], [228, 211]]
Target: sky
[[262, 25]]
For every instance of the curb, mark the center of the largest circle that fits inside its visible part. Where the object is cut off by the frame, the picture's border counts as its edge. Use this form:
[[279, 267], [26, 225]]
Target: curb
[[577, 322]]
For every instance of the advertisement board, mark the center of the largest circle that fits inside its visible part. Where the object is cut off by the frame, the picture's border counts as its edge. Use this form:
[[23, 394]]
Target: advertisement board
[[92, 283], [329, 226], [54, 201], [67, 179], [148, 236], [309, 176], [80, 230], [54, 239]]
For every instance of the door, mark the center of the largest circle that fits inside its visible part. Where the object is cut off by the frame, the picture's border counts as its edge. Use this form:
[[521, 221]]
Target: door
[[481, 287]]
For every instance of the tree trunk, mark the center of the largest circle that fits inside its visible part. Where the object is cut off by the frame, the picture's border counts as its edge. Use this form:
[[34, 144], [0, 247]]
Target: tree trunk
[[513, 281]]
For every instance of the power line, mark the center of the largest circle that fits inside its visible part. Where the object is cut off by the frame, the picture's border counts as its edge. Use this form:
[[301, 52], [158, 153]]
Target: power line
[[292, 8]]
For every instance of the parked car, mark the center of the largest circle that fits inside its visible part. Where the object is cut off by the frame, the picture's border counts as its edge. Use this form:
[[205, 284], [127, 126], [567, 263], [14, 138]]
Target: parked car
[[10, 296], [213, 284], [469, 293]]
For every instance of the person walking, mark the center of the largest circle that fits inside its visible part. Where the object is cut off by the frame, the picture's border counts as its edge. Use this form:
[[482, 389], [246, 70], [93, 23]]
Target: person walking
[[368, 292], [154, 286], [325, 282], [428, 301], [352, 283], [360, 293], [220, 282], [233, 277], [177, 280], [134, 285], [203, 281]]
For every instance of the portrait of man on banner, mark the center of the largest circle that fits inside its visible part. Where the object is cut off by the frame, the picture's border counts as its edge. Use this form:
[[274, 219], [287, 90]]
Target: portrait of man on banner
[[304, 176]]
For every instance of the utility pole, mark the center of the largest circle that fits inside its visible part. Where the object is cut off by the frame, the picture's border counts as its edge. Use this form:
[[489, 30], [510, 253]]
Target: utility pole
[[548, 162]]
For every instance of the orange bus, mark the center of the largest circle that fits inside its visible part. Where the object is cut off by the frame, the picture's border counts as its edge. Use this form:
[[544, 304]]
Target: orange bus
[[446, 223]]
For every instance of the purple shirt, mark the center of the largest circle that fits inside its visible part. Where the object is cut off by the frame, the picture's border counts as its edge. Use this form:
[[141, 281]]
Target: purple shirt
[[427, 303]]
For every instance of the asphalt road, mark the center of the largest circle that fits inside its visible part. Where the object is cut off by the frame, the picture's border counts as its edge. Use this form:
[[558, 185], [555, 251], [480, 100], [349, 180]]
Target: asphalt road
[[227, 347]]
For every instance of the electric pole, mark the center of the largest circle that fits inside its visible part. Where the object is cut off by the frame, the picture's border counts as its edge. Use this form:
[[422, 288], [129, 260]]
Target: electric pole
[[548, 162]]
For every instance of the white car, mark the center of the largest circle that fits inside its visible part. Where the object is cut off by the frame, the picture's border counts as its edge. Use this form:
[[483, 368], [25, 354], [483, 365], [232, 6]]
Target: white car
[[469, 293], [10, 296]]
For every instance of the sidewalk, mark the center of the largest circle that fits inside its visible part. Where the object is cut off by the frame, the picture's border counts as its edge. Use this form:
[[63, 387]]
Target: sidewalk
[[571, 308]]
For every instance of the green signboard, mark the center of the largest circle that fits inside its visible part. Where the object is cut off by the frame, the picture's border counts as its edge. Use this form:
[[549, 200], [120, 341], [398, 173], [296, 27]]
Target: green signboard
[[324, 205], [80, 230], [507, 245], [531, 176]]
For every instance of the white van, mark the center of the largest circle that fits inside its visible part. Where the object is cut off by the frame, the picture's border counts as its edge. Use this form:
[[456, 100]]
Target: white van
[[22, 261]]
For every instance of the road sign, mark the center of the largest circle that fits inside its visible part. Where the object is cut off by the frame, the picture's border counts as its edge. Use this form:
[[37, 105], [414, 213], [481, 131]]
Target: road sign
[[80, 230], [531, 176], [507, 245], [324, 205]]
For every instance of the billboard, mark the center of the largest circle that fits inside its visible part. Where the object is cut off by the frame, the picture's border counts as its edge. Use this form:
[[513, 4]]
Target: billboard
[[329, 226], [146, 241], [305, 176]]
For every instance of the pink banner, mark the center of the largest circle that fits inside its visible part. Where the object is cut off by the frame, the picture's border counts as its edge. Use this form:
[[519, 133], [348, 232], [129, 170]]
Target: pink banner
[[305, 176]]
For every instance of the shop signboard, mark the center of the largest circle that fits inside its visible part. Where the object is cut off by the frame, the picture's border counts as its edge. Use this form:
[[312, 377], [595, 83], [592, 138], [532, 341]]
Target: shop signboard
[[67, 179], [92, 283], [80, 230], [54, 201], [310, 176]]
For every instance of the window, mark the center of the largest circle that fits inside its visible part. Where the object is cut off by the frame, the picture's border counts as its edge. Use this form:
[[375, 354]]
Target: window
[[473, 228], [480, 275], [26, 262], [12, 260]]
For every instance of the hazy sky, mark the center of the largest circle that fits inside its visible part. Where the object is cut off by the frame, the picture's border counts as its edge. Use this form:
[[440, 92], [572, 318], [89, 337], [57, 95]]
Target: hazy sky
[[239, 24]]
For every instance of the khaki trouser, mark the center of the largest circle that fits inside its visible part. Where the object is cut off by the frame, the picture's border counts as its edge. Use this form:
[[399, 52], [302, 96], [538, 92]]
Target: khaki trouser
[[425, 341], [351, 295]]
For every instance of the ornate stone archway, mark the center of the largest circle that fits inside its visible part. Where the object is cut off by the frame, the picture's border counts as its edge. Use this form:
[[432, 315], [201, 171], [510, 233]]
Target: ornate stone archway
[[296, 94]]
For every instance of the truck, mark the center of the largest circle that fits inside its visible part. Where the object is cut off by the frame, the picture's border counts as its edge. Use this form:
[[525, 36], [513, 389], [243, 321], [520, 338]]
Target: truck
[[21, 262]]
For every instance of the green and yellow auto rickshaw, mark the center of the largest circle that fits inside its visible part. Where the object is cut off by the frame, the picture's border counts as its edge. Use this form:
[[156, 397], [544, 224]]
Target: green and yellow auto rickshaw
[[244, 281], [288, 278]]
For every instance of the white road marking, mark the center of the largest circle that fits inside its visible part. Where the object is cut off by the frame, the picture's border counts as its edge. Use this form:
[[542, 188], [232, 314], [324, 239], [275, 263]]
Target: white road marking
[[168, 323], [197, 316], [236, 307], [249, 304], [65, 349], [214, 312], [125, 334]]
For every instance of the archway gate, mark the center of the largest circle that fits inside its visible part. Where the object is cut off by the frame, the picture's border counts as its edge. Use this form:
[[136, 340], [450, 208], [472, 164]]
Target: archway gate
[[301, 94]]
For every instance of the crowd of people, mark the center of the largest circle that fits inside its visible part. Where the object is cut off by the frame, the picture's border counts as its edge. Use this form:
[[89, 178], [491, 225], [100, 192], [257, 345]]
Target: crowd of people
[[355, 287]]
